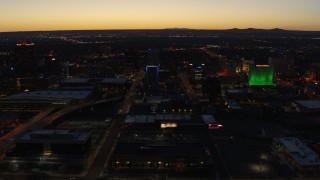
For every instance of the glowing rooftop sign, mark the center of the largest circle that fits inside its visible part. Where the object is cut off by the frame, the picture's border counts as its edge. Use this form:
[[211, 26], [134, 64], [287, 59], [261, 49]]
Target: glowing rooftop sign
[[261, 75]]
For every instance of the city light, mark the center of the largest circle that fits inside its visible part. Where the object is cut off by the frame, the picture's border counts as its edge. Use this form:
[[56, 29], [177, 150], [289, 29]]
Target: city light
[[168, 125], [225, 104]]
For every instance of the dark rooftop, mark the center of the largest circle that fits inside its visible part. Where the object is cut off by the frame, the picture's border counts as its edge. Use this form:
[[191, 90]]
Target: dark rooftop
[[54, 136]]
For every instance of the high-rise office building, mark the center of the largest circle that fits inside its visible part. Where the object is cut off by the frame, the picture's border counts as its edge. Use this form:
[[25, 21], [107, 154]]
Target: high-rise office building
[[196, 71], [282, 65], [132, 57], [261, 75], [153, 56], [52, 65], [315, 72], [152, 75], [25, 63], [211, 86]]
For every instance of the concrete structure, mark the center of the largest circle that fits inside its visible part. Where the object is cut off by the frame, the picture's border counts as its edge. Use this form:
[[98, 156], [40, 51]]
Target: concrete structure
[[163, 121], [111, 86], [232, 105], [39, 100], [239, 94], [57, 146], [166, 152], [307, 106], [115, 85], [77, 83], [77, 95], [299, 153]]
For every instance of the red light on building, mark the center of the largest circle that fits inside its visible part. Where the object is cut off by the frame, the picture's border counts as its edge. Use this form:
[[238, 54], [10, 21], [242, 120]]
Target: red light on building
[[25, 43], [215, 126], [51, 53]]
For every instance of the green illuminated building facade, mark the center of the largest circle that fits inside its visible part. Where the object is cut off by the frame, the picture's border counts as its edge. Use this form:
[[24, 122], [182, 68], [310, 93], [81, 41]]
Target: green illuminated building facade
[[261, 75]]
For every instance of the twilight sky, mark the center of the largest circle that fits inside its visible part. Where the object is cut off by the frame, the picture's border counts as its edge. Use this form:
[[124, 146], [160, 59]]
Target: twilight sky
[[26, 15]]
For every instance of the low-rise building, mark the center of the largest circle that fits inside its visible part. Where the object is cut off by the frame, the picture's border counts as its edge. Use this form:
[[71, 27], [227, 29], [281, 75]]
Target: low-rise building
[[299, 154], [56, 146], [307, 106], [39, 100]]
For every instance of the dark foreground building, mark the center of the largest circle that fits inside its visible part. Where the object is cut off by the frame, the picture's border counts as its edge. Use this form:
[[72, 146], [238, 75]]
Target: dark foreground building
[[162, 146], [54, 147]]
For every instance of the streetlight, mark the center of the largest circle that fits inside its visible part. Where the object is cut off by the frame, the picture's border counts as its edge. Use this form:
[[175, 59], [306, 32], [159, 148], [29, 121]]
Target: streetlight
[[260, 169]]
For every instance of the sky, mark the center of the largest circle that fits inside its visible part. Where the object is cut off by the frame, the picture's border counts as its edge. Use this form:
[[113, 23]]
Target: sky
[[30, 15]]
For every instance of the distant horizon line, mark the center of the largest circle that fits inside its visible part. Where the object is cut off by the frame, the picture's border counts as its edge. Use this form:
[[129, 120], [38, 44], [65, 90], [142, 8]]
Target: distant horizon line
[[174, 28]]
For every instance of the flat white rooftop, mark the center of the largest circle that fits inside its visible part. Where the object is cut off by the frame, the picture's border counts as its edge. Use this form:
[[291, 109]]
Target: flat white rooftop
[[157, 117], [166, 117], [239, 91], [140, 119], [173, 117], [300, 152], [208, 119], [232, 104], [311, 104]]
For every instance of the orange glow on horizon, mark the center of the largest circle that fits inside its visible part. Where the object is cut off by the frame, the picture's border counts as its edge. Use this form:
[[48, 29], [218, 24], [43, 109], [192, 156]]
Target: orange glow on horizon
[[32, 15]]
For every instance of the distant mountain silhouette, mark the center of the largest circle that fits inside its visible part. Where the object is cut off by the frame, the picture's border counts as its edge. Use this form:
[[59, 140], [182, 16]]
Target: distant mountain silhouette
[[135, 32], [254, 30], [178, 29]]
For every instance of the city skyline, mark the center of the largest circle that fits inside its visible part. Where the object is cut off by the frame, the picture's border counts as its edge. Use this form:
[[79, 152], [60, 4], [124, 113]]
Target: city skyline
[[34, 15]]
